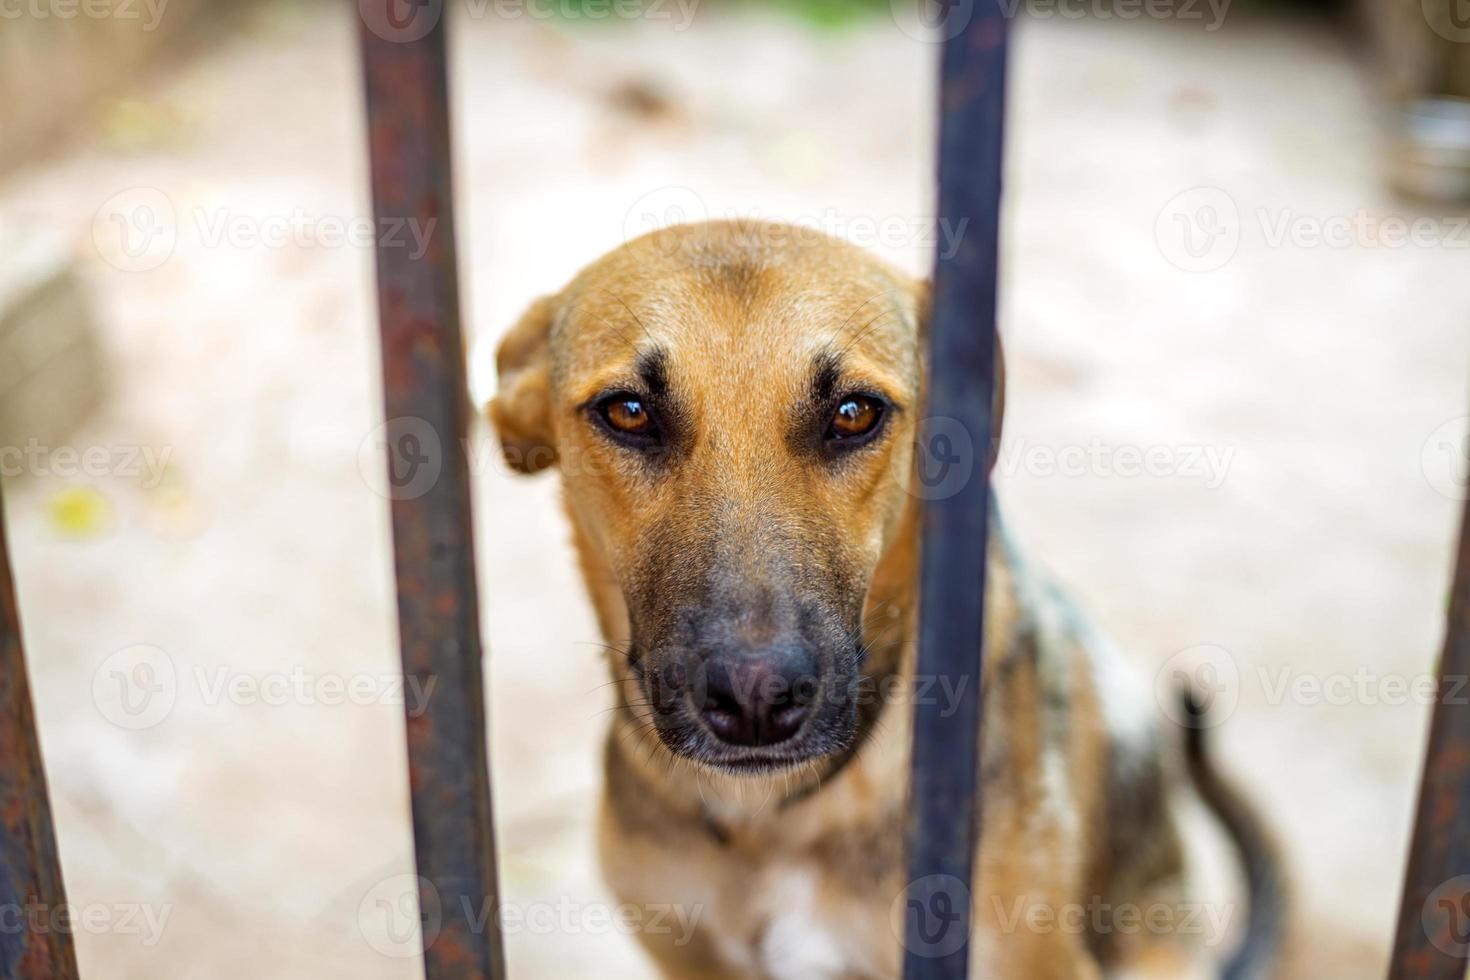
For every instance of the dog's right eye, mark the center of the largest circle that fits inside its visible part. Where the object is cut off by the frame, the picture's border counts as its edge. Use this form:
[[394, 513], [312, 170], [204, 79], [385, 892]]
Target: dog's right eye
[[627, 416]]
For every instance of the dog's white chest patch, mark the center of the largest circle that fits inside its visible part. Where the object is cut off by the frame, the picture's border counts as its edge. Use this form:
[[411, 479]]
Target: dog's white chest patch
[[795, 942], [804, 938]]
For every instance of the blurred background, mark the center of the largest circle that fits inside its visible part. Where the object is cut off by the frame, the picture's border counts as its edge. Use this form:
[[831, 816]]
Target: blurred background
[[1235, 302]]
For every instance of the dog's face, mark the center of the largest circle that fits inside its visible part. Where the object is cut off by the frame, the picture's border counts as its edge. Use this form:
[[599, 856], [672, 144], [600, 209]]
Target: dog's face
[[732, 408]]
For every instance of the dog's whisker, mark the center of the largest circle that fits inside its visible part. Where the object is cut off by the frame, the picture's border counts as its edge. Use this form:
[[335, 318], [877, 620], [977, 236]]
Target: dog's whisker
[[853, 315], [623, 303]]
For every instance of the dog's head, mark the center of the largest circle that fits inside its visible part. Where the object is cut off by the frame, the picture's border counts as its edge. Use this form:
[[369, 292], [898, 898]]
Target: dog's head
[[733, 410]]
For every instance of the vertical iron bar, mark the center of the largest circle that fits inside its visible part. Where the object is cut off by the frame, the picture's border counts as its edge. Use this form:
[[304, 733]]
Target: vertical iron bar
[[32, 897], [1433, 939], [427, 407], [943, 832]]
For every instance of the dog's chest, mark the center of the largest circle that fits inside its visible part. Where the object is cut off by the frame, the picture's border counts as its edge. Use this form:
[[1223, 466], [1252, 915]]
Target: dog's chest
[[795, 923]]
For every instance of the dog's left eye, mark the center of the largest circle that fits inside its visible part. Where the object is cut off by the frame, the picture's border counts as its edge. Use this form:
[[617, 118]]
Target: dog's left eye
[[628, 418], [855, 416], [627, 415]]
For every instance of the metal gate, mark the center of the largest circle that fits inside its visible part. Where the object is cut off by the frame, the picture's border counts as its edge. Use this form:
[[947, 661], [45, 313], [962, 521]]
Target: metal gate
[[424, 378]]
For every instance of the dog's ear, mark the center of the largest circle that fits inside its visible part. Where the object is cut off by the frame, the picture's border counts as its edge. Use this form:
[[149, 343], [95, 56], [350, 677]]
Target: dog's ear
[[521, 408], [924, 291]]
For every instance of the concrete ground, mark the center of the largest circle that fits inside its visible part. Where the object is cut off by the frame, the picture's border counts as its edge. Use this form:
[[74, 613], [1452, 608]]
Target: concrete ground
[[230, 807]]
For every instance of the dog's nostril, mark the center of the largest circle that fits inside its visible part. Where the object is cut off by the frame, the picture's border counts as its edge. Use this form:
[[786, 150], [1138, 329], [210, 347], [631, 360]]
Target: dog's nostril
[[724, 715], [756, 700]]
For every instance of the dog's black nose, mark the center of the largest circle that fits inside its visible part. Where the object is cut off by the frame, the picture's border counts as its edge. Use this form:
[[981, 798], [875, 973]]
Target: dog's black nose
[[758, 699]]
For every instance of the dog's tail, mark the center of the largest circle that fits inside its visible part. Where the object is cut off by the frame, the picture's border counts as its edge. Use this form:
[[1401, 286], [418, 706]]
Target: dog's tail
[[1254, 847]]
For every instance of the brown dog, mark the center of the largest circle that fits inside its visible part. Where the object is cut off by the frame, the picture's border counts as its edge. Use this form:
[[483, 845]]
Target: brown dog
[[733, 408]]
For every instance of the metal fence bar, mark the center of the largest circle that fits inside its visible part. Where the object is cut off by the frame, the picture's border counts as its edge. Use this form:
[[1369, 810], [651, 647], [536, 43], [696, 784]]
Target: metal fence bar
[[428, 411], [31, 890], [1434, 919], [943, 830]]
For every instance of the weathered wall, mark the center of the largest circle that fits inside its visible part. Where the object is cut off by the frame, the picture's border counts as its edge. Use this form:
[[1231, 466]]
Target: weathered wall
[[60, 58]]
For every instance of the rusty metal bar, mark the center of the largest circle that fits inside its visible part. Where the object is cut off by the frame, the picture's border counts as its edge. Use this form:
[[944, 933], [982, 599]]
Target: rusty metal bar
[[35, 940], [943, 832], [1433, 941], [427, 407]]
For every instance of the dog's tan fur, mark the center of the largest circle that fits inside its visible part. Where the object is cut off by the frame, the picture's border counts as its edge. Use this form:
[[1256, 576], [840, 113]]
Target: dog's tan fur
[[795, 873]]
